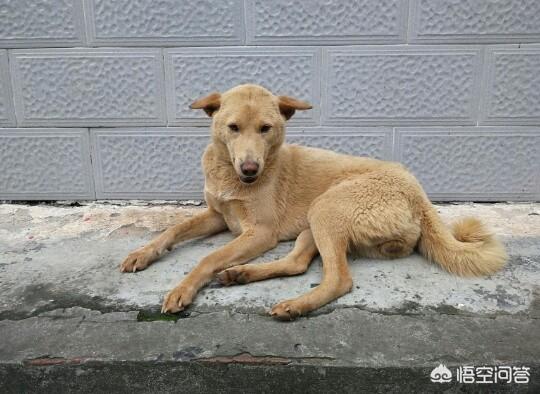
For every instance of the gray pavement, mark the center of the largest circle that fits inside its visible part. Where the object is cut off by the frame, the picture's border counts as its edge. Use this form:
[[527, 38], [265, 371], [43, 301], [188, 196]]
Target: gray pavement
[[70, 321]]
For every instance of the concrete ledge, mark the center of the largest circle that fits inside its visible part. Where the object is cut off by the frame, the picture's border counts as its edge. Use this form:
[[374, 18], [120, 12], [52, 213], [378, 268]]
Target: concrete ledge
[[347, 350], [69, 321]]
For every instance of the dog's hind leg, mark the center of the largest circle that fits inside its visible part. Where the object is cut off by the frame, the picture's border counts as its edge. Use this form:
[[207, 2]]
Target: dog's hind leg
[[369, 212], [330, 234], [295, 263]]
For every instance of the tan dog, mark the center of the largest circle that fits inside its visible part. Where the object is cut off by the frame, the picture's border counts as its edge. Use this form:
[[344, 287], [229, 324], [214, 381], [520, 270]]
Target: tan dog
[[266, 191]]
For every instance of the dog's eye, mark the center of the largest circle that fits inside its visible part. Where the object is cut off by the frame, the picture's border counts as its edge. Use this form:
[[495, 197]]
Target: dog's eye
[[233, 127], [265, 128]]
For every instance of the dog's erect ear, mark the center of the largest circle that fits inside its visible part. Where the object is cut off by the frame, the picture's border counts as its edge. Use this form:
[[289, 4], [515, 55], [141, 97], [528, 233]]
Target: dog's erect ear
[[288, 105], [209, 104]]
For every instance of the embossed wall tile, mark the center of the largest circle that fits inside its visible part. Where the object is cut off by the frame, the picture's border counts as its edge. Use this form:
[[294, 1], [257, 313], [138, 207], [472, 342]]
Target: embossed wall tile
[[149, 163], [352, 89], [326, 22], [372, 142], [165, 22], [40, 23], [7, 114], [399, 85], [512, 85], [44, 164], [474, 21], [196, 72], [88, 87], [481, 163]]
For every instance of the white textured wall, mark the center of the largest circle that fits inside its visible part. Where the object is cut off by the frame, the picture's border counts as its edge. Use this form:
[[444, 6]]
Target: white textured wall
[[94, 94]]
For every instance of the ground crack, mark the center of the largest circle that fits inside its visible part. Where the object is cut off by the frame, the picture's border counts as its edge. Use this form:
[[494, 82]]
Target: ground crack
[[250, 359]]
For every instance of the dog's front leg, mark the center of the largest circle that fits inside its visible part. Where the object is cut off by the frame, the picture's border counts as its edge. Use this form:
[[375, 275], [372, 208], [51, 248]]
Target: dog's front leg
[[249, 244], [207, 222]]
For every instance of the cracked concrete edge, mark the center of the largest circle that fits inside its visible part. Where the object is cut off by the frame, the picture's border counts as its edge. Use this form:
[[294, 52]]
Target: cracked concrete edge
[[345, 351], [108, 308], [345, 337]]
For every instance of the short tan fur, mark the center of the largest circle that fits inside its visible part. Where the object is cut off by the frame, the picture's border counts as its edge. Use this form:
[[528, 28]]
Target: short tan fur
[[265, 191]]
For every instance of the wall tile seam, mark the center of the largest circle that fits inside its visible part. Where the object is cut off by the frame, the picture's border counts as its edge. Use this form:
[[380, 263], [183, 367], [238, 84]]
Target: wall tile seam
[[11, 81], [408, 21], [163, 89], [82, 22], [480, 97], [297, 129], [92, 162], [5, 74], [89, 26], [86, 24], [412, 49], [318, 119], [211, 44], [246, 20]]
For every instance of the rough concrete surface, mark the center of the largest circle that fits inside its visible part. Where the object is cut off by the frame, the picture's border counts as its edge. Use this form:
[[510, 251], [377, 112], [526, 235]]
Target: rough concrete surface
[[70, 321]]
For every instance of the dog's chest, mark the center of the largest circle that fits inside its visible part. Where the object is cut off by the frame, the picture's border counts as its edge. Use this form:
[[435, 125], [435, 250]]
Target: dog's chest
[[224, 206]]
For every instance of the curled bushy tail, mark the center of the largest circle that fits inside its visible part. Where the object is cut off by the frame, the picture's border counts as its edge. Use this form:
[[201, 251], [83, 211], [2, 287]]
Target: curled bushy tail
[[467, 250]]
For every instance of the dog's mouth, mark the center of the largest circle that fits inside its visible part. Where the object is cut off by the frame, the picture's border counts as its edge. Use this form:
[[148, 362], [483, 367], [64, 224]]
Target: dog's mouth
[[248, 179]]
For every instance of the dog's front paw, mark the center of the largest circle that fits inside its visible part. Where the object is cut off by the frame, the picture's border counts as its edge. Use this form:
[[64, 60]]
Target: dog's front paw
[[231, 276], [177, 299], [286, 310], [138, 260]]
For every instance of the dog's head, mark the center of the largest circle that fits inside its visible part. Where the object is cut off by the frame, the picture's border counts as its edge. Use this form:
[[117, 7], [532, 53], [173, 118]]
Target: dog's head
[[250, 121]]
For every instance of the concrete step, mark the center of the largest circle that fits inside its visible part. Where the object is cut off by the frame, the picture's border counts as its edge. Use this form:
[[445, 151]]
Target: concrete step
[[71, 322]]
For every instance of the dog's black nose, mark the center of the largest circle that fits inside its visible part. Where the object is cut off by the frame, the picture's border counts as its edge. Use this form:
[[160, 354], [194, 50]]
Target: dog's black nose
[[249, 168]]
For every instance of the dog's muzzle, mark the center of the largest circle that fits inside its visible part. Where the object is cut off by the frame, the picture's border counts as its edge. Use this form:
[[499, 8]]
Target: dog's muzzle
[[250, 170]]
